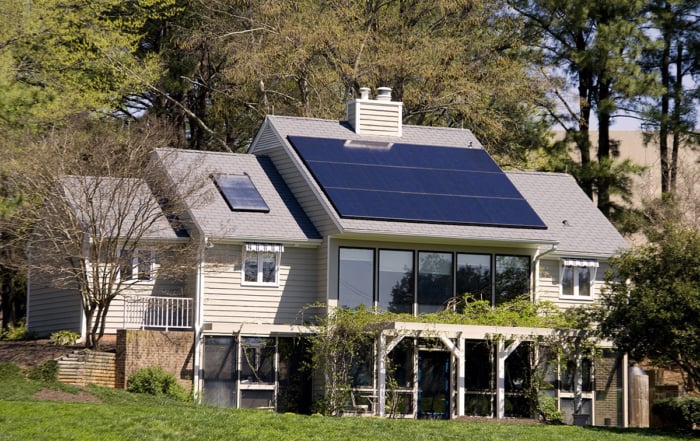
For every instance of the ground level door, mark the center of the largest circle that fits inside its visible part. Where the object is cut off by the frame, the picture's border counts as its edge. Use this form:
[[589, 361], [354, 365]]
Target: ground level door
[[433, 384]]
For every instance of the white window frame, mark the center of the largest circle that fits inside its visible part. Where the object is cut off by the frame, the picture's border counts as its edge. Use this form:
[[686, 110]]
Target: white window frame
[[261, 249], [576, 266], [135, 266]]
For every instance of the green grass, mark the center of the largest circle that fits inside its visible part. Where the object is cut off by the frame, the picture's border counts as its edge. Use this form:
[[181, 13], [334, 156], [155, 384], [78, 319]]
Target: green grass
[[125, 416]]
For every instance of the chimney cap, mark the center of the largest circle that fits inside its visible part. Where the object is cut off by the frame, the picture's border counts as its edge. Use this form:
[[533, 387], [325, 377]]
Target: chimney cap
[[384, 93], [364, 93]]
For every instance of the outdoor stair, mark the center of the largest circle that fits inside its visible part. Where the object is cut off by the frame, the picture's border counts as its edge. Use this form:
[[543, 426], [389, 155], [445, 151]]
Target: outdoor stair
[[83, 367]]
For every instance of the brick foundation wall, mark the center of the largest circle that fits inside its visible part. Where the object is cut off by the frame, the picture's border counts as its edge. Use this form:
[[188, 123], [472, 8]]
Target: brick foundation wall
[[172, 350]]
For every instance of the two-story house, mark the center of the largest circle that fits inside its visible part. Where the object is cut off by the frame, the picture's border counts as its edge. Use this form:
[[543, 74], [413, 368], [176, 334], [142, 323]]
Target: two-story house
[[400, 218]]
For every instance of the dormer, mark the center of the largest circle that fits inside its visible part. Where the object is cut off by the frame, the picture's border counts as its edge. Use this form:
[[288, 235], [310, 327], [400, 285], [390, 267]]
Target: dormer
[[380, 116]]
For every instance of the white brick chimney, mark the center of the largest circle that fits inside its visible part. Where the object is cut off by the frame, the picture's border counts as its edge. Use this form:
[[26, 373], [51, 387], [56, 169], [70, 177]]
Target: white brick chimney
[[380, 116]]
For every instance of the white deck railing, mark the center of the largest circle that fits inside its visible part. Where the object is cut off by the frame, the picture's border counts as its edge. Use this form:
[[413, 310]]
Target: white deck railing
[[157, 312]]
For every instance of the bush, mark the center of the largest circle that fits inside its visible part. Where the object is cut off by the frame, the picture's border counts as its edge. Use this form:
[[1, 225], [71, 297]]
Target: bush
[[678, 413], [15, 333], [10, 372], [64, 337], [46, 372], [547, 408], [155, 381]]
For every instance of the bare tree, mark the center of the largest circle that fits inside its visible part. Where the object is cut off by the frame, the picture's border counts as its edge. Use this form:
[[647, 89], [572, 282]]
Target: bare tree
[[102, 211]]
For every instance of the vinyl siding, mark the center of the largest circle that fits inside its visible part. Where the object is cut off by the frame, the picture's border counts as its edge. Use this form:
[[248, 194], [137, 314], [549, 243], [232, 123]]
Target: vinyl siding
[[227, 302], [50, 310]]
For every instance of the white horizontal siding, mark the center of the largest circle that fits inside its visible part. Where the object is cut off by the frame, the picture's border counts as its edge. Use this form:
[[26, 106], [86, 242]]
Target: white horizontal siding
[[226, 301]]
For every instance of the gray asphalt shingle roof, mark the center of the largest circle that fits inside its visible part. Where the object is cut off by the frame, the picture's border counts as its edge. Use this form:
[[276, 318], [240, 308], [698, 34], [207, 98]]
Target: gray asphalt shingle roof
[[285, 222], [555, 197], [117, 207]]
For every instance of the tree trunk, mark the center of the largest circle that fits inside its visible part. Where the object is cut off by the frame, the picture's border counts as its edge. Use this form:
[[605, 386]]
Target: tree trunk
[[664, 117], [603, 178]]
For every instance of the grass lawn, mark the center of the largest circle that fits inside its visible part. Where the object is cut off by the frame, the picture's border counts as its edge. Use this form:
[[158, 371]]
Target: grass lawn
[[119, 415]]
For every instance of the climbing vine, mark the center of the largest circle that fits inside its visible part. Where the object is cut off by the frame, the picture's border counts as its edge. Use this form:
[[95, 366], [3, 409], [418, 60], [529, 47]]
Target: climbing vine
[[345, 338]]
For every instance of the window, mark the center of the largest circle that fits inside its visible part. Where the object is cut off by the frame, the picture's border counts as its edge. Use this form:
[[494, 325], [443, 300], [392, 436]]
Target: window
[[434, 281], [474, 276], [261, 264], [396, 281], [512, 277], [355, 277], [138, 265], [577, 277]]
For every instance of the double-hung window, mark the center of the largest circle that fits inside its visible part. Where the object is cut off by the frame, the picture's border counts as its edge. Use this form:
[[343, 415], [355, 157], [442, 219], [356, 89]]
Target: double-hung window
[[138, 265], [261, 264], [577, 276]]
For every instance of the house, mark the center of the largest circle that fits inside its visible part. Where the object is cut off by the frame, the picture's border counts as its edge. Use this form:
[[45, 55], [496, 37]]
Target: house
[[372, 212]]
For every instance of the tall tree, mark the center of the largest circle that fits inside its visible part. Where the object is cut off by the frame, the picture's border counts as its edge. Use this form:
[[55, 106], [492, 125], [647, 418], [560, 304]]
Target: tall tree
[[452, 63], [671, 115], [597, 45]]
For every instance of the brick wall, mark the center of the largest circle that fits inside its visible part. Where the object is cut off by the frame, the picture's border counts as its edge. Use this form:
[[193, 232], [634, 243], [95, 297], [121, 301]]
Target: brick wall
[[608, 390], [172, 350]]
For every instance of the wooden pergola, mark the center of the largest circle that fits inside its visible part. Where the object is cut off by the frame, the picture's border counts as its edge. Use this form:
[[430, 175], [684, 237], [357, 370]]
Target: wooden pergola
[[453, 337]]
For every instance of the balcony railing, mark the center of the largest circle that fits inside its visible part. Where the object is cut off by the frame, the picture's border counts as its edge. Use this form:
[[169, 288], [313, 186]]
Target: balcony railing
[[150, 312]]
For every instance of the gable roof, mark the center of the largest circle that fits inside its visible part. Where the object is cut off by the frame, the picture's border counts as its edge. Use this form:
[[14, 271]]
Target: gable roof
[[118, 207], [284, 222], [554, 197]]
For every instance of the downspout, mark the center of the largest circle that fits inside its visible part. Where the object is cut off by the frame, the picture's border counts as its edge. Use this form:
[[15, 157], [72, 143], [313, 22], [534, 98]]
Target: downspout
[[536, 271], [199, 317]]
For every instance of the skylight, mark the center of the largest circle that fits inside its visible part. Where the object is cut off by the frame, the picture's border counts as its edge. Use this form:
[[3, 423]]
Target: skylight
[[240, 193]]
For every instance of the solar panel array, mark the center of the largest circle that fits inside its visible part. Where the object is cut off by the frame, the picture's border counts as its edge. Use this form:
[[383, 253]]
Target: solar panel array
[[414, 183], [240, 193]]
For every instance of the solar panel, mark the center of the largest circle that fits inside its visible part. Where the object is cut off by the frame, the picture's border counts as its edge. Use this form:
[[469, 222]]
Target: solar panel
[[239, 193], [415, 183]]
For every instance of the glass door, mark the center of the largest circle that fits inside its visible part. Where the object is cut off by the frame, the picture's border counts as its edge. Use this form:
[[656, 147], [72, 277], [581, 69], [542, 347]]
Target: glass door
[[433, 384]]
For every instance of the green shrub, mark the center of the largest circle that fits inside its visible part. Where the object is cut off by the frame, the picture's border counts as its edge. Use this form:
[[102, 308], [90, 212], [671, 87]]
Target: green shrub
[[64, 337], [155, 381], [15, 333], [547, 408], [10, 372], [46, 371], [678, 413]]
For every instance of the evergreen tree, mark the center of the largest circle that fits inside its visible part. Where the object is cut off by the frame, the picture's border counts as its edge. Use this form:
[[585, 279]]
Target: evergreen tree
[[597, 46]]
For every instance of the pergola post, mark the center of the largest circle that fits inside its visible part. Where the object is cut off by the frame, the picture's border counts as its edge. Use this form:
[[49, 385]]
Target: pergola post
[[458, 352], [381, 374], [502, 353]]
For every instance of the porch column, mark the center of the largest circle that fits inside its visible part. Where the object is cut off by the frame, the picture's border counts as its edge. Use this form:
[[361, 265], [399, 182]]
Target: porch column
[[502, 353]]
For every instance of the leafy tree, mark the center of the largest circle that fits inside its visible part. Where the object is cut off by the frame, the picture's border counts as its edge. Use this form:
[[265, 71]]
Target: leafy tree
[[597, 46], [651, 307], [452, 63]]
